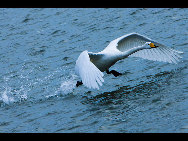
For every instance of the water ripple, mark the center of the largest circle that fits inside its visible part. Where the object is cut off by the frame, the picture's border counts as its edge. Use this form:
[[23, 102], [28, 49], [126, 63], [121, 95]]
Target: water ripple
[[38, 50]]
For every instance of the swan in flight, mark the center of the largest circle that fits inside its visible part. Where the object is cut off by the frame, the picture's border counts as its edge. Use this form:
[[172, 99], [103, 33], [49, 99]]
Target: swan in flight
[[89, 66]]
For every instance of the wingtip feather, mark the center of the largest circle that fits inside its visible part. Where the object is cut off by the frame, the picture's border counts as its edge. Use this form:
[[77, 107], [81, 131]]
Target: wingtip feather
[[91, 77]]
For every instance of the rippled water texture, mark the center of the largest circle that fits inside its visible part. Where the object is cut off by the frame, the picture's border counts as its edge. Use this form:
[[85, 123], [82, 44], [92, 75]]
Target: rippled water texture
[[38, 50]]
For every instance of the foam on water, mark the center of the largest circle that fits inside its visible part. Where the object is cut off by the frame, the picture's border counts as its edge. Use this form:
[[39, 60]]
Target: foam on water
[[6, 96], [67, 86], [9, 96], [29, 90]]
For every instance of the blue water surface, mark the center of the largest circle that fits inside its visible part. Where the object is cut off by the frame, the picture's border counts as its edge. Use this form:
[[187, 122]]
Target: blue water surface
[[38, 50]]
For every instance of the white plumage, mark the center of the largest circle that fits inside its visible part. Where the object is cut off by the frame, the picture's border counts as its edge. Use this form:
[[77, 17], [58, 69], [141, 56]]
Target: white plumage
[[89, 73], [89, 66]]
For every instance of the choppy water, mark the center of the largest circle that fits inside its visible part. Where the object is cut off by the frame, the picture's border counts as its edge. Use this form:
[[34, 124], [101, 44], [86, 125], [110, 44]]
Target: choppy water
[[38, 50]]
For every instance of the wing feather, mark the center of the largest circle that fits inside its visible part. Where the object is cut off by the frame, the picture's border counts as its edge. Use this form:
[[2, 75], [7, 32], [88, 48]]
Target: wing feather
[[161, 53], [169, 55], [129, 41], [91, 76]]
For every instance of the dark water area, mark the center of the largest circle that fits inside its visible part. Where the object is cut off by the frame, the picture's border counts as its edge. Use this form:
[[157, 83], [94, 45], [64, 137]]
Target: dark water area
[[38, 51]]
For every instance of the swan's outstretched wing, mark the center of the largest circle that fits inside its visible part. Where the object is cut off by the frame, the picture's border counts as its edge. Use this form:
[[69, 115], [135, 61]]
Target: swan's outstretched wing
[[91, 76], [161, 53], [131, 40]]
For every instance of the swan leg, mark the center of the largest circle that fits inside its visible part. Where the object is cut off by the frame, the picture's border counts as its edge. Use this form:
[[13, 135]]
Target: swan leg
[[107, 71], [79, 83], [115, 73]]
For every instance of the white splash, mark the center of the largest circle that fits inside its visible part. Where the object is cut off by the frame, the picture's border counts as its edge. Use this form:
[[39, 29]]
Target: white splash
[[6, 98], [67, 86]]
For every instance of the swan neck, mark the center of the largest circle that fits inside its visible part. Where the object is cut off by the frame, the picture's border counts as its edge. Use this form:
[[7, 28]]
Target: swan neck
[[133, 50]]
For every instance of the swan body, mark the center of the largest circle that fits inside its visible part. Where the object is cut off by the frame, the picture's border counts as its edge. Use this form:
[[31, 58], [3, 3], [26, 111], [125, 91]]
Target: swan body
[[89, 66]]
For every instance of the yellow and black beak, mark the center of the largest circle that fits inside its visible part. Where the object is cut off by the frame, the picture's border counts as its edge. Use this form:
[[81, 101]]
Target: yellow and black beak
[[152, 45]]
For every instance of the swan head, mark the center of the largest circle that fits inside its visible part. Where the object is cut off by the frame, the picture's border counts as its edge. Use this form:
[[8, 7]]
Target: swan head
[[150, 45]]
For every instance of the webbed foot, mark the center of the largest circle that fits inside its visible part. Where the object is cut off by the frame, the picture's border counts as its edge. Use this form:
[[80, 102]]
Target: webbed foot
[[115, 73], [79, 83]]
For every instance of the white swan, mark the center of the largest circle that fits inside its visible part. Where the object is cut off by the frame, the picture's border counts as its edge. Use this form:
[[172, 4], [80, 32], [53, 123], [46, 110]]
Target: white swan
[[89, 66]]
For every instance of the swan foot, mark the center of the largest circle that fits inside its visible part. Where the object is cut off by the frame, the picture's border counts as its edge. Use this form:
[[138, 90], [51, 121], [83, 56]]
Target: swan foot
[[79, 83], [115, 73]]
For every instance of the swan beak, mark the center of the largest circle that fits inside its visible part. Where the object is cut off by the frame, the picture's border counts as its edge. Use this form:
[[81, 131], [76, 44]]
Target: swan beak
[[152, 45]]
